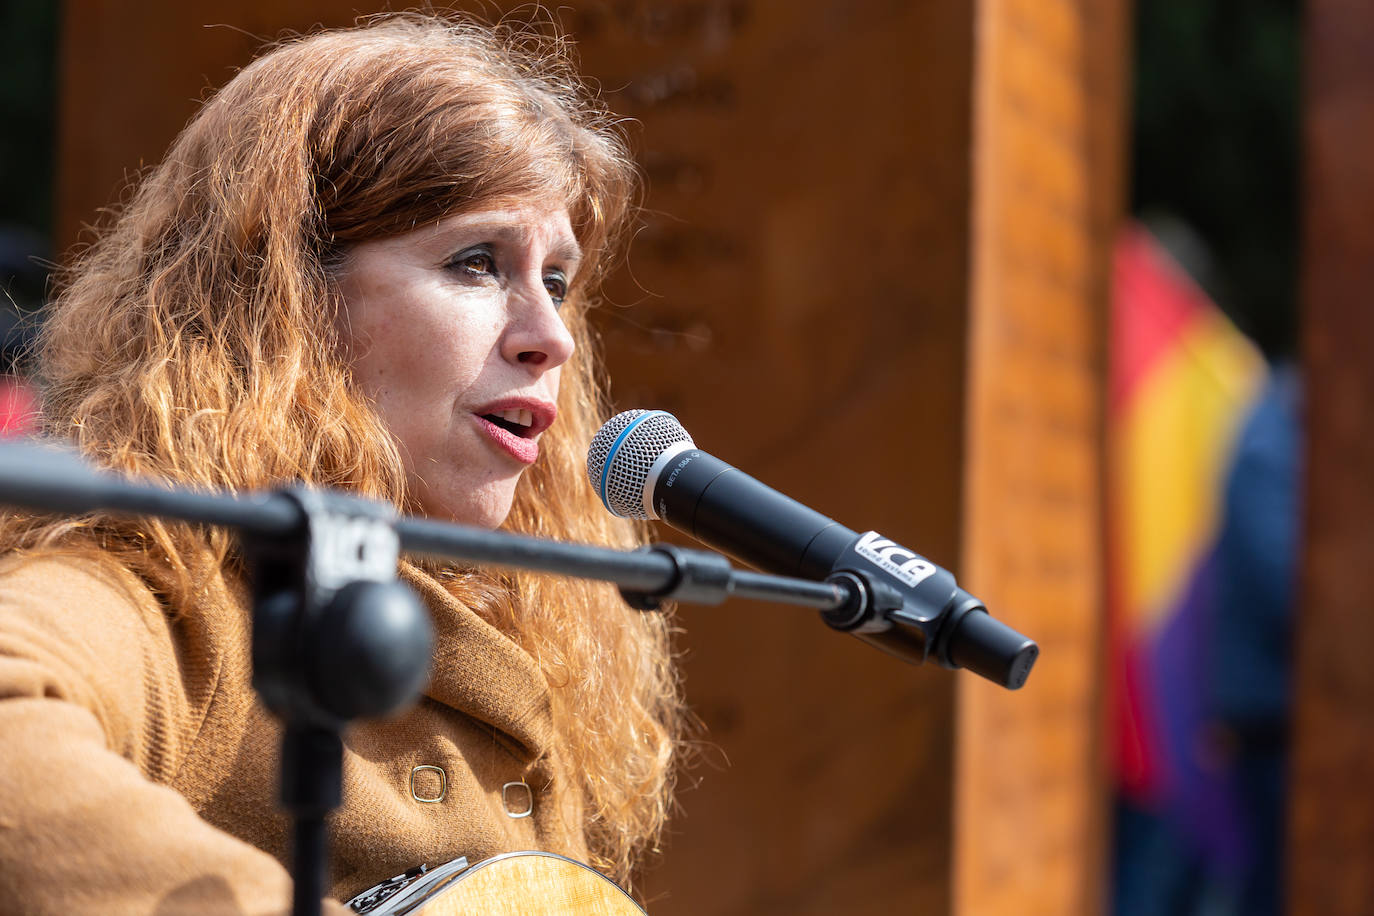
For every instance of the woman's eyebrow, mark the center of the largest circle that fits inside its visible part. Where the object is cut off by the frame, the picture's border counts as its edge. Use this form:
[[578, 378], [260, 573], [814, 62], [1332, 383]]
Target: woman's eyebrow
[[568, 252], [563, 249]]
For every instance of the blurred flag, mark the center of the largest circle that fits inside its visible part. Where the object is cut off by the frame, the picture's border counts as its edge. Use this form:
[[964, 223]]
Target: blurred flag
[[18, 406], [1182, 378]]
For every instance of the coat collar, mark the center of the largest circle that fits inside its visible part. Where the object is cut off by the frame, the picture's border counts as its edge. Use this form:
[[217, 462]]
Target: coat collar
[[481, 672]]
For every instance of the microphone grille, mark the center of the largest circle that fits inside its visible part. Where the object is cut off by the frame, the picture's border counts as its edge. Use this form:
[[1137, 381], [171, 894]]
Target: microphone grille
[[623, 452]]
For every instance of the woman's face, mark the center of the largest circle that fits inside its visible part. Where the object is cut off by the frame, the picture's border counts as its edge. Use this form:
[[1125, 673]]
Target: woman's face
[[453, 331]]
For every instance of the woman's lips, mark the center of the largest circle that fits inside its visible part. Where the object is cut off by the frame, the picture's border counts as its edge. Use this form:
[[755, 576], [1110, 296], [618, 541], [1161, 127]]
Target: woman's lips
[[515, 423], [526, 451]]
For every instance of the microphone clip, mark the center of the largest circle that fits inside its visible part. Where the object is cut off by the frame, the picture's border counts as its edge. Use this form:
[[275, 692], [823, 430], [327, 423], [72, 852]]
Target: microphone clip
[[869, 602], [878, 613]]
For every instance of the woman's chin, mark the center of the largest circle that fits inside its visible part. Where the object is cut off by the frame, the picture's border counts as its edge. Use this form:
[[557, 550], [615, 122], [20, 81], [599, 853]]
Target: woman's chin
[[486, 508]]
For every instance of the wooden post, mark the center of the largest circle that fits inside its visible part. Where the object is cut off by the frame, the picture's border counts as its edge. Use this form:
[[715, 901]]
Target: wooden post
[[1048, 134], [797, 298], [1331, 837]]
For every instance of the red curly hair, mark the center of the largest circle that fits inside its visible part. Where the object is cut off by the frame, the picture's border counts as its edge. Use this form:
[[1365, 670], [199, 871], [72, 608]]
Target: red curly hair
[[194, 341]]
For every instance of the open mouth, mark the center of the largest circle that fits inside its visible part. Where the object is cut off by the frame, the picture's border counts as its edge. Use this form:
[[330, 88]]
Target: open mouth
[[517, 422]]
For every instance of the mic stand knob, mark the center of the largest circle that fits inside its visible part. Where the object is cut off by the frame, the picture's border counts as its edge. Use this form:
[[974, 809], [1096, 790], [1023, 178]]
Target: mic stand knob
[[335, 637]]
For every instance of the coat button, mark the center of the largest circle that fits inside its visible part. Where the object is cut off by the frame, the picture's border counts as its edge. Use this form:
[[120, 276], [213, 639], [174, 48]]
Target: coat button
[[428, 784], [518, 799]]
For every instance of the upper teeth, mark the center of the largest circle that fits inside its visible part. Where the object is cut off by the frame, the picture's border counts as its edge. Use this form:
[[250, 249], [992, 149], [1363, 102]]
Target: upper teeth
[[519, 417]]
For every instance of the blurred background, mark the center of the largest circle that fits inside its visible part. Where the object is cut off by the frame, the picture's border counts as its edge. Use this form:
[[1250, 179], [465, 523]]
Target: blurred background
[[1067, 294]]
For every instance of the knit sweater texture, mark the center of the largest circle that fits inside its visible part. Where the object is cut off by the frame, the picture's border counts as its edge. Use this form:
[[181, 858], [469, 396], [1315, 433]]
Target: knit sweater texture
[[138, 771]]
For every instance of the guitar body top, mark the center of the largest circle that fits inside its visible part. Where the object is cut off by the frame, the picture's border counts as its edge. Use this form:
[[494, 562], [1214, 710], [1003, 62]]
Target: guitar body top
[[511, 884], [531, 884]]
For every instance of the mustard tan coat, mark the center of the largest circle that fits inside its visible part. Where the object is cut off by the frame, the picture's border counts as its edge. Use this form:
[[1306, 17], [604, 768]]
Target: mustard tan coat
[[138, 772]]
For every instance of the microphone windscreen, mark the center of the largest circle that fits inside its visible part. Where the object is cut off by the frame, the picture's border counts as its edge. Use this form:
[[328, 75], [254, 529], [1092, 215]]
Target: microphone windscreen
[[623, 453]]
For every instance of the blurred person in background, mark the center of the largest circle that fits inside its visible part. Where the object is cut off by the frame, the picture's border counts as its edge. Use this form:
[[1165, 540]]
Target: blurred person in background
[[1204, 596], [1248, 696], [1205, 438]]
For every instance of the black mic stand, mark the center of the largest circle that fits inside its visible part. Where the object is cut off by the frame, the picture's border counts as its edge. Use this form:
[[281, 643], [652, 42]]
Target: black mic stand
[[336, 637]]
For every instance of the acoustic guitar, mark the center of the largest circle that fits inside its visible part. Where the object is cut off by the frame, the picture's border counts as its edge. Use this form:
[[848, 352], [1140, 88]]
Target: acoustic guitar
[[511, 884]]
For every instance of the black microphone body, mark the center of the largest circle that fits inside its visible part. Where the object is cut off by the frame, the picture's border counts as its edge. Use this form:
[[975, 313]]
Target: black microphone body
[[926, 614], [725, 508]]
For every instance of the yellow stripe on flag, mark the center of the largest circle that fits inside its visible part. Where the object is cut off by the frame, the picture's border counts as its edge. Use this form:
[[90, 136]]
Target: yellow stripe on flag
[[1173, 440]]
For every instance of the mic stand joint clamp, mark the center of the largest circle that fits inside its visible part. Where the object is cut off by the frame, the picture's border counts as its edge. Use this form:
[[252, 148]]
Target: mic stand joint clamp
[[699, 577]]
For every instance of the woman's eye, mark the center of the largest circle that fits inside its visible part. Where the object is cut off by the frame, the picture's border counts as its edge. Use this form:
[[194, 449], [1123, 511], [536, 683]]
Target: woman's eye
[[557, 285], [474, 263]]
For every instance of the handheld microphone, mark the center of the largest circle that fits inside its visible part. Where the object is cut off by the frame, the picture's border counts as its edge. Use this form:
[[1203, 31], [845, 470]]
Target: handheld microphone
[[644, 465]]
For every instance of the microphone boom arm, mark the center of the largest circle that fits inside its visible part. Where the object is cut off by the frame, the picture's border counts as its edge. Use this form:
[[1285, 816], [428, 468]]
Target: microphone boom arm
[[47, 479]]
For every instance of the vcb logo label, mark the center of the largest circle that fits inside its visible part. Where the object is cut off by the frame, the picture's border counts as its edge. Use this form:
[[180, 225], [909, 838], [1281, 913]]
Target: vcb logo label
[[889, 556]]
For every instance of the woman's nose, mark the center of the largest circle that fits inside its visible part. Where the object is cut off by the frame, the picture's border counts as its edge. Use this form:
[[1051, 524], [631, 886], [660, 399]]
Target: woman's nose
[[536, 335]]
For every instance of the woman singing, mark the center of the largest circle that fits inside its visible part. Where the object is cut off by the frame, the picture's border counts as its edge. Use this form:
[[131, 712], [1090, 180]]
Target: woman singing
[[364, 264]]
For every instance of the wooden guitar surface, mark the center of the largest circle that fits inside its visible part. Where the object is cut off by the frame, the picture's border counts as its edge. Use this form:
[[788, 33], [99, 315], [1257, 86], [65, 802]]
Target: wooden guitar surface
[[530, 884]]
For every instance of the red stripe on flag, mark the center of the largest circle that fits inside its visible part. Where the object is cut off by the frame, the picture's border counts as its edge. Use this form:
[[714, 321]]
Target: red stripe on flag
[[1157, 303], [18, 407]]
